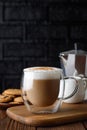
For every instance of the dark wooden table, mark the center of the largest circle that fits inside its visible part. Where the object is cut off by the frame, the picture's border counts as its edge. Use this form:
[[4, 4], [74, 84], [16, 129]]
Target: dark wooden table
[[8, 124]]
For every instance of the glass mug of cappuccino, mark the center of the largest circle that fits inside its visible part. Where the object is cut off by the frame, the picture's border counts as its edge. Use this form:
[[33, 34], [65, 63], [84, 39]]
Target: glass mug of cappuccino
[[40, 89]]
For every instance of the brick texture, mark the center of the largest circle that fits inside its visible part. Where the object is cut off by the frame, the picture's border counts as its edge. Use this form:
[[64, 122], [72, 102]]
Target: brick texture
[[1, 13], [57, 32], [68, 13], [10, 67], [27, 49], [59, 12], [10, 31], [29, 12], [34, 32], [11, 82], [79, 31], [37, 31], [1, 51]]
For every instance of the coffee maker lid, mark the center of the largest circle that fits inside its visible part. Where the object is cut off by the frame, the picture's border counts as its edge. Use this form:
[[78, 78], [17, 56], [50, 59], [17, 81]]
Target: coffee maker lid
[[76, 52]]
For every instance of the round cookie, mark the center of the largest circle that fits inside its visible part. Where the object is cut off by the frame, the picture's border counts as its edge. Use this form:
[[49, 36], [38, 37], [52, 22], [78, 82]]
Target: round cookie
[[18, 99], [5, 98], [15, 103], [15, 92]]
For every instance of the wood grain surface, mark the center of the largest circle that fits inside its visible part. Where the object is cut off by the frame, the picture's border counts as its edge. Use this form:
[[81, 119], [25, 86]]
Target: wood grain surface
[[7, 123], [68, 113], [75, 126]]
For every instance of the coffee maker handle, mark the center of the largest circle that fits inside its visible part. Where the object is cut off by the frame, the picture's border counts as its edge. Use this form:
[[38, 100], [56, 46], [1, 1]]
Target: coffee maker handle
[[74, 91]]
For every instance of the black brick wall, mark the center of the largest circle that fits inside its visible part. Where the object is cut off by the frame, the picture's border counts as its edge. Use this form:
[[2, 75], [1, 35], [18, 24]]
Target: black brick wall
[[34, 32]]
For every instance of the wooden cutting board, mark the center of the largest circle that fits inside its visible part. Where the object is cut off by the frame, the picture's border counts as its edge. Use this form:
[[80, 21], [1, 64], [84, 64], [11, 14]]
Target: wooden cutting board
[[68, 113]]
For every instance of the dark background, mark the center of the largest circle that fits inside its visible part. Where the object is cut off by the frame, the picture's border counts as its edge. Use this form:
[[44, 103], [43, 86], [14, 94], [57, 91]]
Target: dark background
[[34, 32]]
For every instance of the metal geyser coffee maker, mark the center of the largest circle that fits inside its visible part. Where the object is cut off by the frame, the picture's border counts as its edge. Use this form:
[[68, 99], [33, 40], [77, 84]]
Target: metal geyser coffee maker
[[74, 62]]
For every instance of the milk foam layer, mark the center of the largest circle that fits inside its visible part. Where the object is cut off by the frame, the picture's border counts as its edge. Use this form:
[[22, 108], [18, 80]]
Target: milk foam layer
[[42, 73]]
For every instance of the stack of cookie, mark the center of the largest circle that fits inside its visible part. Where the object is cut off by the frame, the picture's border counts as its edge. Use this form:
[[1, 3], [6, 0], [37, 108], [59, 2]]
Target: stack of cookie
[[11, 97]]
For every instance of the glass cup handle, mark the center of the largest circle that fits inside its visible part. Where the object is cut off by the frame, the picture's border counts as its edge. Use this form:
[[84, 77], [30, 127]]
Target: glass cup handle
[[74, 91], [85, 84], [84, 80]]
